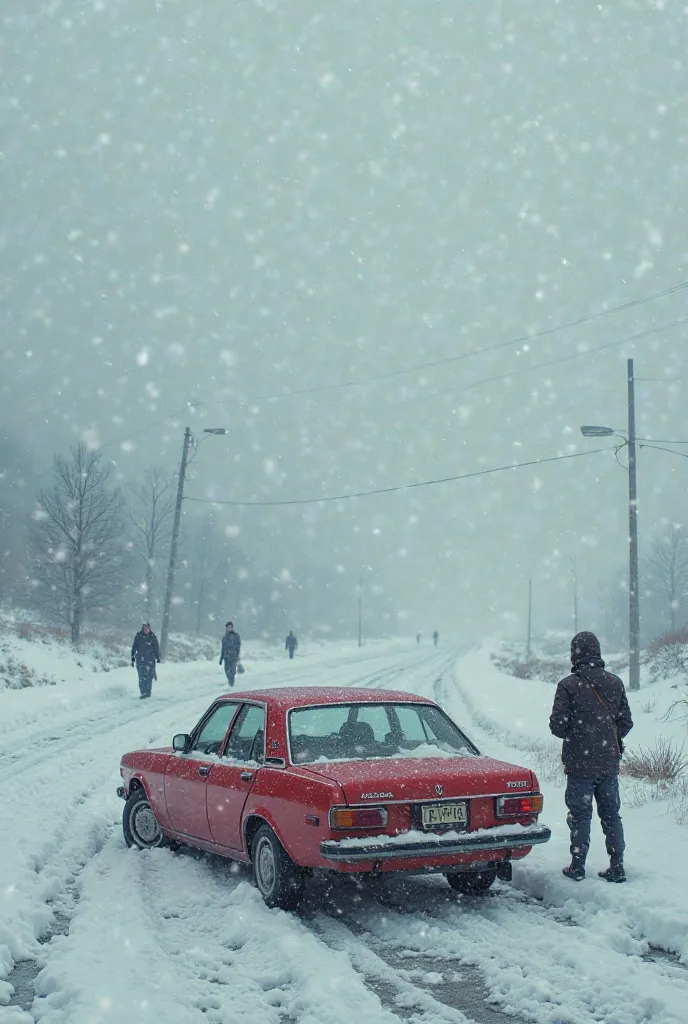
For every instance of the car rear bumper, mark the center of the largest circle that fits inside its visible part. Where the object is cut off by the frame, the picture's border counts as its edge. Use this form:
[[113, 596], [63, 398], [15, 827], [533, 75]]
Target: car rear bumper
[[353, 850]]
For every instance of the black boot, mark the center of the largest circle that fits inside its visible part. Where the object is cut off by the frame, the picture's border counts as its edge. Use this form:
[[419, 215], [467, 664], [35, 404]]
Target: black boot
[[614, 873], [575, 871]]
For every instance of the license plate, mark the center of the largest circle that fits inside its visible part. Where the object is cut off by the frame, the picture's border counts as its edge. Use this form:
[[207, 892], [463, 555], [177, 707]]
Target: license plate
[[434, 815]]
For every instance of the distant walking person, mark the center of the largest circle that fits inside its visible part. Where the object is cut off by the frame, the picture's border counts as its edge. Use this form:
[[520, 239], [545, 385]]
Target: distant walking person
[[290, 644], [591, 715], [418, 637], [145, 653], [435, 637], [231, 648]]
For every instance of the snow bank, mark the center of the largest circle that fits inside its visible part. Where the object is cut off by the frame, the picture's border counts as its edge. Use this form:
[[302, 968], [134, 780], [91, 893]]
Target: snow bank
[[510, 718]]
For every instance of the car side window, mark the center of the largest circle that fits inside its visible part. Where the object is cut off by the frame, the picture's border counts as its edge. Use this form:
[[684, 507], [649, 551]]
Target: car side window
[[411, 724], [247, 738], [213, 732]]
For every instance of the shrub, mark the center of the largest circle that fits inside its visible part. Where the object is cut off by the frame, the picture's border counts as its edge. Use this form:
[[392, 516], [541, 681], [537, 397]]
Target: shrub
[[679, 709], [548, 670], [542, 667], [15, 675], [678, 800], [676, 637], [667, 655], [661, 764]]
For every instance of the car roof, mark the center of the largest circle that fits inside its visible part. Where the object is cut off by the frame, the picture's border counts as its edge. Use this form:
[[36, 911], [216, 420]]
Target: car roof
[[304, 696]]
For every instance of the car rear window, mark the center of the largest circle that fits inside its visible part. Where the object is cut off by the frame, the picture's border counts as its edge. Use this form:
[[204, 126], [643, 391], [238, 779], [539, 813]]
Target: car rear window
[[355, 732]]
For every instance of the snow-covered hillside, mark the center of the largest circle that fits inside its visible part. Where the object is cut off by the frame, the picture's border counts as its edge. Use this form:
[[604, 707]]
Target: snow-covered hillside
[[97, 932]]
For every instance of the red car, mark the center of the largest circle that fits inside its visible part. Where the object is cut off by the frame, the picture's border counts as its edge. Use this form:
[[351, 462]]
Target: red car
[[292, 780]]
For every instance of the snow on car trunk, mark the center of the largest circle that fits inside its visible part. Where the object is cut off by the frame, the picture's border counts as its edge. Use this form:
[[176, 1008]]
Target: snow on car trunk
[[431, 778]]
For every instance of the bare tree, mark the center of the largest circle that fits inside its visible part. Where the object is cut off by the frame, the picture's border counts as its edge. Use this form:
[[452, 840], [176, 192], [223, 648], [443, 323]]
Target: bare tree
[[151, 514], [668, 564], [76, 536]]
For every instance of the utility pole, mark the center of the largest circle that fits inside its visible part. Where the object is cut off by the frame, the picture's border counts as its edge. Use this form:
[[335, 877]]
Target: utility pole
[[530, 617], [165, 630], [633, 577], [360, 611], [575, 596]]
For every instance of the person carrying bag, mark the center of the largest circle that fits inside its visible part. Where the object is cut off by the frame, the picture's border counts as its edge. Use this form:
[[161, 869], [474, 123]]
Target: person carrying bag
[[592, 716]]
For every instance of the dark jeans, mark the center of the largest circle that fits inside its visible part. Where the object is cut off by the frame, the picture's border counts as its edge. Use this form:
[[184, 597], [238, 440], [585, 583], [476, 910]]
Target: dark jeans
[[291, 653], [580, 791], [146, 671], [230, 670]]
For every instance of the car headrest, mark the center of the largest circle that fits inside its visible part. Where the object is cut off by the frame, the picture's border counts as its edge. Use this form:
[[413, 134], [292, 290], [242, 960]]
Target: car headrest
[[360, 734]]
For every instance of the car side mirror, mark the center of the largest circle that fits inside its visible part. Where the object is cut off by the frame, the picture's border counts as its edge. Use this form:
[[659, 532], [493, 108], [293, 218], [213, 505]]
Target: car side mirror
[[181, 742]]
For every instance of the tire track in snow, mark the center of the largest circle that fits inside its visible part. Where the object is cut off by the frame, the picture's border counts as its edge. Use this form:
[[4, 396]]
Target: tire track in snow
[[532, 963], [647, 973], [59, 858], [64, 733], [446, 989], [428, 988]]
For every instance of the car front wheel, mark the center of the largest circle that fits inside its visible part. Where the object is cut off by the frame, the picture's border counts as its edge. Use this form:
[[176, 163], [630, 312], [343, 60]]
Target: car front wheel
[[279, 881], [472, 883], [139, 824]]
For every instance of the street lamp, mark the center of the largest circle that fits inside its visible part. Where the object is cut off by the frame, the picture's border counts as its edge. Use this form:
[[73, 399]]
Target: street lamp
[[597, 431], [167, 607], [633, 574]]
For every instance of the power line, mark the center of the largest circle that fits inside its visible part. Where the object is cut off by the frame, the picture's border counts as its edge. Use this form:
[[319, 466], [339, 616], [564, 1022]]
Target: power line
[[402, 487], [659, 448], [150, 426], [497, 346], [660, 440], [495, 378], [256, 399], [538, 366]]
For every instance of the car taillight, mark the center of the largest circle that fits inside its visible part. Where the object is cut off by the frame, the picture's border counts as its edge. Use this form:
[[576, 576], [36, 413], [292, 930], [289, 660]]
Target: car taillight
[[358, 817], [519, 806]]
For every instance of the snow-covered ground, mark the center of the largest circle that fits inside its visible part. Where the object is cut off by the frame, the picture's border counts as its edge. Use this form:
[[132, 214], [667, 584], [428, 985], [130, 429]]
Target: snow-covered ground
[[125, 937]]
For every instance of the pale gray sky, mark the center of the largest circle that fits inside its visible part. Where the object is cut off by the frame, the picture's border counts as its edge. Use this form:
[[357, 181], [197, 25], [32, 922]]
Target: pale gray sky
[[206, 201]]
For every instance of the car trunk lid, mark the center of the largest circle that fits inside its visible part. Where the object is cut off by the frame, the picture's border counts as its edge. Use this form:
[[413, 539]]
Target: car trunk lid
[[407, 780]]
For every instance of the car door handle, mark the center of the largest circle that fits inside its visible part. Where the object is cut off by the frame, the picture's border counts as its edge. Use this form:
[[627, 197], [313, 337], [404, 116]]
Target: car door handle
[[246, 776], [204, 770]]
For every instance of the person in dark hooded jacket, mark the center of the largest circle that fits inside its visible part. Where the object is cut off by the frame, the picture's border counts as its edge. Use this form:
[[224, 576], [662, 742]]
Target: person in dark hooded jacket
[[591, 715], [231, 649], [145, 652], [291, 643]]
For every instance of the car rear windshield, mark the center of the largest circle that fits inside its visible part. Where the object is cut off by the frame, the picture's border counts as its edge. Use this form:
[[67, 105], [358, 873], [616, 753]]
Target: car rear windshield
[[355, 732]]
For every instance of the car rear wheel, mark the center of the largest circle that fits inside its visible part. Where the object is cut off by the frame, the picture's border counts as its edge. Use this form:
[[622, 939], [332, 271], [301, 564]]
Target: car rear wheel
[[139, 824], [279, 881], [472, 883]]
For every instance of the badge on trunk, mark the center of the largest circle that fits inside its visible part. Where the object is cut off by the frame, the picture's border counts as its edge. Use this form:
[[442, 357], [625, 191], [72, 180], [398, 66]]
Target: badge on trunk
[[439, 790]]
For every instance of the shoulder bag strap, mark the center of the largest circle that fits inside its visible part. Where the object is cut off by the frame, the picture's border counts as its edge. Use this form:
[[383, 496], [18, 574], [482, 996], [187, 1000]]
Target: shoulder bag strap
[[609, 715]]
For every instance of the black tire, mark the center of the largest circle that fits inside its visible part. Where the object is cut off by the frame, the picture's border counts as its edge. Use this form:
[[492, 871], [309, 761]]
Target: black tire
[[139, 824], [278, 880], [472, 883]]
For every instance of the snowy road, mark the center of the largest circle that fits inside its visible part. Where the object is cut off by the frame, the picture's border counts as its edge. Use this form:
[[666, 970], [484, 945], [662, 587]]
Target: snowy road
[[185, 938]]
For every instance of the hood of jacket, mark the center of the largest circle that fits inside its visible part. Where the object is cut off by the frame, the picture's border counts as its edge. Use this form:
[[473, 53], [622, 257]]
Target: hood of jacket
[[586, 652]]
